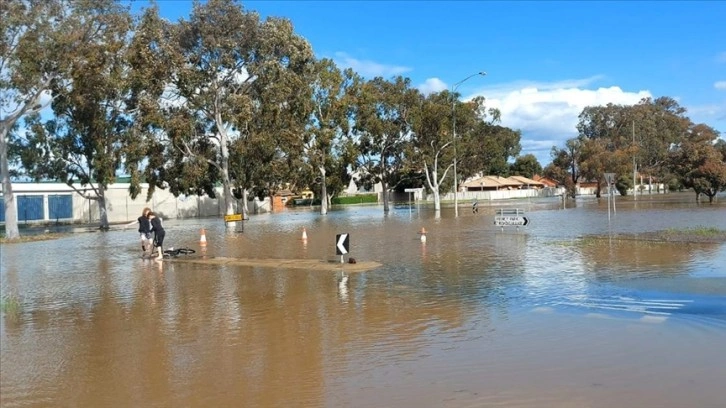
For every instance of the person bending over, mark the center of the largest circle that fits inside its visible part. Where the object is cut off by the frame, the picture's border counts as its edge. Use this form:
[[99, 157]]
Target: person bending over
[[159, 233], [144, 231]]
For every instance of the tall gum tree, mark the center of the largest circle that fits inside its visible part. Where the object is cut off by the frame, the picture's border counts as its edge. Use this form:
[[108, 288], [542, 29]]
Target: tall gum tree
[[432, 147], [383, 127], [45, 47], [698, 162], [329, 125], [81, 144], [225, 61], [39, 40]]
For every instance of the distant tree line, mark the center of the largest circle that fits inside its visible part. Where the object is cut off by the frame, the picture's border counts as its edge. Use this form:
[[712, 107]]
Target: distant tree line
[[654, 136]]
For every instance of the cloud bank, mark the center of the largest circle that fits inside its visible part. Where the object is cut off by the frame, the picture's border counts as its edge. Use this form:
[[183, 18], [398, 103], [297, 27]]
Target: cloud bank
[[432, 85], [546, 112], [720, 85], [367, 68]]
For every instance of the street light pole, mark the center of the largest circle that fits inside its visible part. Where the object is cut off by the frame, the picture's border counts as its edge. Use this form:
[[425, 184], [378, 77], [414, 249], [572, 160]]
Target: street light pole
[[453, 121]]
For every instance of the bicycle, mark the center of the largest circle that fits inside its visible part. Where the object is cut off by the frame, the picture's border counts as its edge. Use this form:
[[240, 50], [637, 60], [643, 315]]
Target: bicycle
[[173, 253]]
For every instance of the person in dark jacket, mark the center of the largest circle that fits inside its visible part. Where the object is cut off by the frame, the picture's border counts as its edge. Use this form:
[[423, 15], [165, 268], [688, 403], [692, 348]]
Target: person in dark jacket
[[144, 230], [159, 233]]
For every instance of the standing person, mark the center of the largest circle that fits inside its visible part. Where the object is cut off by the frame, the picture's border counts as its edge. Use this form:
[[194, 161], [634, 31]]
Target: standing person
[[159, 233], [144, 230]]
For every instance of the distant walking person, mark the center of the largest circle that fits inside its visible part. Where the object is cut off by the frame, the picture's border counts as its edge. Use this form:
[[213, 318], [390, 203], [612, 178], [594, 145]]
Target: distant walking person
[[159, 233]]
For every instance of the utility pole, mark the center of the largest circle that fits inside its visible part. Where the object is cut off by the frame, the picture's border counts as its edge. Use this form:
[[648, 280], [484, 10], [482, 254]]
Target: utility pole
[[635, 168]]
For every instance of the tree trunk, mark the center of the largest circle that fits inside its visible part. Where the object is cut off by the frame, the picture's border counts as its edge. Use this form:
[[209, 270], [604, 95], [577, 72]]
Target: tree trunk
[[103, 214], [384, 184], [245, 200], [323, 193], [226, 185], [11, 212]]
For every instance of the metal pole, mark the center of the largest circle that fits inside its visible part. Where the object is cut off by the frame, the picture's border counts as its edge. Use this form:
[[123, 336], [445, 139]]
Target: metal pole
[[608, 206], [453, 121], [635, 182]]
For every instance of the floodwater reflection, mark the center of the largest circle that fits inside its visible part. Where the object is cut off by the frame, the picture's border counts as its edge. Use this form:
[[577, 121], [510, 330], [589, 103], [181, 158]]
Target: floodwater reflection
[[474, 316]]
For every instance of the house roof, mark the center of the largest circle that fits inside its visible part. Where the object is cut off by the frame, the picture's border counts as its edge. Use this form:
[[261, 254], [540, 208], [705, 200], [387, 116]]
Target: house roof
[[492, 181], [545, 180], [284, 193], [527, 181]]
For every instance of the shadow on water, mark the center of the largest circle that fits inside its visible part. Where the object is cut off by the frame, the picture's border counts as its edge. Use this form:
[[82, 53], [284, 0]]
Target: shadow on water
[[474, 316]]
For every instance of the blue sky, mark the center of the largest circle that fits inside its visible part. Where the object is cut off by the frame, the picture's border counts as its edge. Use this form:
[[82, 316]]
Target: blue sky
[[545, 61]]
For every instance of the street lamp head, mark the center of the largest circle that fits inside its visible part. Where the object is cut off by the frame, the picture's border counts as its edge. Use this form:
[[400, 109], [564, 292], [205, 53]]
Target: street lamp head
[[482, 73]]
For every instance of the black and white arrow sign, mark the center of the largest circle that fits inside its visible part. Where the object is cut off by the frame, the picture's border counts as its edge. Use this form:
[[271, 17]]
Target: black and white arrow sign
[[342, 244]]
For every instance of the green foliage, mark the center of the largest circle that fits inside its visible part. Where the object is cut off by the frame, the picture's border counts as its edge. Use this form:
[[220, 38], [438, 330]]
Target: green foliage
[[356, 199], [623, 184], [698, 163], [82, 145], [526, 166], [384, 110], [11, 305]]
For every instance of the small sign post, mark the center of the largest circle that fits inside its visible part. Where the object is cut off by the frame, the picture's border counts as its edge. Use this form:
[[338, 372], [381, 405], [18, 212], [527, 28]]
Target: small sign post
[[233, 217], [342, 245], [510, 217], [417, 192], [610, 179]]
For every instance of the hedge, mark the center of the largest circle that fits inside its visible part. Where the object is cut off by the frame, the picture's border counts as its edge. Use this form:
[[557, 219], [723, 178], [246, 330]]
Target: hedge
[[356, 199]]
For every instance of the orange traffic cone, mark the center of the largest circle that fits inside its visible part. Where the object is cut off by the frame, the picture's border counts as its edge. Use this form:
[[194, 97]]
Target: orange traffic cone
[[304, 235], [203, 239], [423, 234]]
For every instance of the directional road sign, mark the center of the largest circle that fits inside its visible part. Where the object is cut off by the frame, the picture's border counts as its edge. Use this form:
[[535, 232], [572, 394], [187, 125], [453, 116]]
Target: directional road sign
[[505, 220], [610, 178], [342, 244], [233, 217]]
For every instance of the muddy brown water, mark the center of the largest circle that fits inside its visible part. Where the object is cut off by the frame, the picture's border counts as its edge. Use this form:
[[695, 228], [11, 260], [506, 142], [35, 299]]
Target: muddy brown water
[[475, 317]]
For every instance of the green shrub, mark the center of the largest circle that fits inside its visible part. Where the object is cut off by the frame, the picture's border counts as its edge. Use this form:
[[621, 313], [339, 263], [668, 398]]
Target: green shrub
[[356, 199]]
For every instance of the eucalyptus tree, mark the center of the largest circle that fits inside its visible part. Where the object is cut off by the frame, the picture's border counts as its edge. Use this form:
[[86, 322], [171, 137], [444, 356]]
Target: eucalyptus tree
[[432, 146], [699, 164], [150, 69], [82, 144], [39, 43], [487, 148], [526, 165], [325, 141], [383, 117], [234, 79], [645, 131]]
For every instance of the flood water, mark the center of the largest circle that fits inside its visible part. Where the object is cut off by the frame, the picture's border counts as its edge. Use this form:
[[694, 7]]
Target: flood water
[[474, 317]]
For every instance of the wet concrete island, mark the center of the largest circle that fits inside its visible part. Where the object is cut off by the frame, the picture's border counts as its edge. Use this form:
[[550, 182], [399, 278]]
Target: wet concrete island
[[306, 264]]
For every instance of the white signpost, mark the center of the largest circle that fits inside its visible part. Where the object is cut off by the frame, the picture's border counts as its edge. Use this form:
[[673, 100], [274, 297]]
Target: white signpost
[[342, 245], [418, 194], [510, 217], [610, 179]]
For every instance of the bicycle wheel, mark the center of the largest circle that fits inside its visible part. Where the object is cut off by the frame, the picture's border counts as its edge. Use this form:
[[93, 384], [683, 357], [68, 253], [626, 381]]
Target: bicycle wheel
[[185, 251]]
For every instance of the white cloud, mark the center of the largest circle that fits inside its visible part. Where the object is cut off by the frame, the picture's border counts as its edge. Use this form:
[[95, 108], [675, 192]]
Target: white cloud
[[368, 68], [432, 85], [720, 85], [547, 113], [721, 57], [708, 113]]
